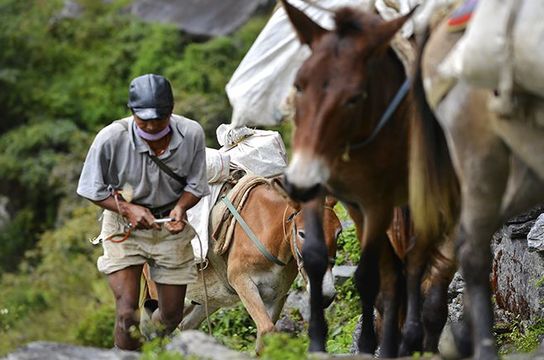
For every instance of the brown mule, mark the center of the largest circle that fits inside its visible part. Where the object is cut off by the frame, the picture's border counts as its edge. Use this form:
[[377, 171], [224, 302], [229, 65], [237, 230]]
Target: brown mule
[[260, 284], [343, 89]]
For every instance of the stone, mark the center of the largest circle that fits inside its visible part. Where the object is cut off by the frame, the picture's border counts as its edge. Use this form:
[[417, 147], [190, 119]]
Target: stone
[[535, 237], [196, 17], [196, 343], [342, 273], [42, 350], [516, 276]]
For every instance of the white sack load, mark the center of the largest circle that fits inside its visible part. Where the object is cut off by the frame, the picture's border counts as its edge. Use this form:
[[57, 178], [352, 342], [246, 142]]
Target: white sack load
[[259, 152], [260, 85], [217, 168], [259, 88], [217, 165], [528, 42], [198, 216], [503, 45]]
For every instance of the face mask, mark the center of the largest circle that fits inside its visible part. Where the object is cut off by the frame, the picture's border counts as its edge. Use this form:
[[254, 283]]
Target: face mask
[[153, 137]]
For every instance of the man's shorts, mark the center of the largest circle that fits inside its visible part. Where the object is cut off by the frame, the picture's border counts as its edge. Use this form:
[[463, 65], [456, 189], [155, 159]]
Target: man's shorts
[[170, 257]]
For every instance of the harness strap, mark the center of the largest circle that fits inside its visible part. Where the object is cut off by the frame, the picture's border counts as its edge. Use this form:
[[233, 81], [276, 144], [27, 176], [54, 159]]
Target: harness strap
[[250, 233], [298, 254], [386, 116]]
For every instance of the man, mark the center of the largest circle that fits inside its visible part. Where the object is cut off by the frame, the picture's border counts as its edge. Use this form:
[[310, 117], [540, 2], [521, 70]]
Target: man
[[160, 158]]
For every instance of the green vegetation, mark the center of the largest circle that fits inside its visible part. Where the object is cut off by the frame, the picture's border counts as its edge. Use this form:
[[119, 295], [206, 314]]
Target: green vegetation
[[285, 347], [234, 328], [522, 338]]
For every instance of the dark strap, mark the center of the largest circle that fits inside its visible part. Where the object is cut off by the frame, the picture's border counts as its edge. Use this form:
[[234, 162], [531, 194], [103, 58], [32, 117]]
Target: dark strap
[[167, 170], [156, 160], [386, 116]]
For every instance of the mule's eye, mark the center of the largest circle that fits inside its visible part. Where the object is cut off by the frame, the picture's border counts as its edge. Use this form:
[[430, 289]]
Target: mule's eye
[[298, 88], [301, 234], [355, 99], [338, 232]]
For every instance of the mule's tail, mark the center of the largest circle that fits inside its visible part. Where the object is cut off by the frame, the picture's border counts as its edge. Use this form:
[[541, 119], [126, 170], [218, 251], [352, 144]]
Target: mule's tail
[[434, 188]]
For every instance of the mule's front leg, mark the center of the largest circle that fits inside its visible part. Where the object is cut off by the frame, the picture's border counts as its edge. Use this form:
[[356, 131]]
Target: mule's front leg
[[251, 298], [367, 279], [315, 257]]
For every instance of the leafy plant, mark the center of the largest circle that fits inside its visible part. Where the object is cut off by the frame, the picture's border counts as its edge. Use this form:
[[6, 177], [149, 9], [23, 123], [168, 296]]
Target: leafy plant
[[97, 328], [155, 350], [282, 346], [233, 327], [522, 338]]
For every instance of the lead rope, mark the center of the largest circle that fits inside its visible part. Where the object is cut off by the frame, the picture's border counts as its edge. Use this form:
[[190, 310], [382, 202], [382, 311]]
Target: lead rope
[[201, 267], [127, 227]]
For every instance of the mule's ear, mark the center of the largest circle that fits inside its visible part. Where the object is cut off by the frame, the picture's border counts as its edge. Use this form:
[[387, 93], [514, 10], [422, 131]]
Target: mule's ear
[[384, 32], [308, 31]]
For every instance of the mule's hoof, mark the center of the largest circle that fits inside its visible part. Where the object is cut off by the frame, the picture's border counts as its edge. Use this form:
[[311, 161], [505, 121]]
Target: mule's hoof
[[316, 347], [486, 350], [455, 342], [412, 339]]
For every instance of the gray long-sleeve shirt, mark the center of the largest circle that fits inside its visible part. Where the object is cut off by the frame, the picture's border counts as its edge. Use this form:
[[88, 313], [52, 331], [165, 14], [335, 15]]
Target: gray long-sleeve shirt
[[117, 157]]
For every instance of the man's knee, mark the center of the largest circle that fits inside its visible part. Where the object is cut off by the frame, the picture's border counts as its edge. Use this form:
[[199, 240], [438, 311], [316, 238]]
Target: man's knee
[[126, 318]]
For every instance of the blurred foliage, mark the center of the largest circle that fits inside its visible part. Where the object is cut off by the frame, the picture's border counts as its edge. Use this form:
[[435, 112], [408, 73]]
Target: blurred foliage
[[155, 350], [38, 166], [97, 328], [281, 346], [73, 81], [233, 327], [57, 288]]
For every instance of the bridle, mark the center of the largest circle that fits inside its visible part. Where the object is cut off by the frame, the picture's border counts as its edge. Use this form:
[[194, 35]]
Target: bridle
[[384, 120], [295, 244]]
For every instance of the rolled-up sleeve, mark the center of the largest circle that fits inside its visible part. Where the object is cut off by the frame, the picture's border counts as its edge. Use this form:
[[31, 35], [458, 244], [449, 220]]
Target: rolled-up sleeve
[[197, 180], [92, 184]]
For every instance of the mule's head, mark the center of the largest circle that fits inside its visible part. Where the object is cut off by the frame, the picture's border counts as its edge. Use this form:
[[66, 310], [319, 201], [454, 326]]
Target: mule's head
[[334, 104], [331, 231]]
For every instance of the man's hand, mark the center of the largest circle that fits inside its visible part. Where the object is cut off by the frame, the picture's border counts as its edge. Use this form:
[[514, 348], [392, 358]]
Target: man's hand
[[178, 214], [138, 216]]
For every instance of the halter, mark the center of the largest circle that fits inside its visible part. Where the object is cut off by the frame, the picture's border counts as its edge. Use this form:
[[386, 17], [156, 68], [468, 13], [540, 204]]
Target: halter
[[386, 116], [294, 242]]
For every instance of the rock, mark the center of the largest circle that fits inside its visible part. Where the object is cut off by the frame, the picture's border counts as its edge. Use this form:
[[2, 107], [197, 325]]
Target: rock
[[42, 350], [288, 325], [300, 301], [196, 343], [342, 273], [516, 276], [535, 238], [197, 17], [527, 216]]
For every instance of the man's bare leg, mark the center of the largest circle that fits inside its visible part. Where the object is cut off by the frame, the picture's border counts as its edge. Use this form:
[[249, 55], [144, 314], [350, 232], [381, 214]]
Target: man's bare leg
[[125, 285], [170, 311]]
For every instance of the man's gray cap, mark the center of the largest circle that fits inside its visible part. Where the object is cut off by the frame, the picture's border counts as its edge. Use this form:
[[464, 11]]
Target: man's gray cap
[[150, 97]]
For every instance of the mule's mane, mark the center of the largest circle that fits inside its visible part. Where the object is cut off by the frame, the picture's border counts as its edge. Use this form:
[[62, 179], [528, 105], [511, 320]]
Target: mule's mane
[[350, 21]]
